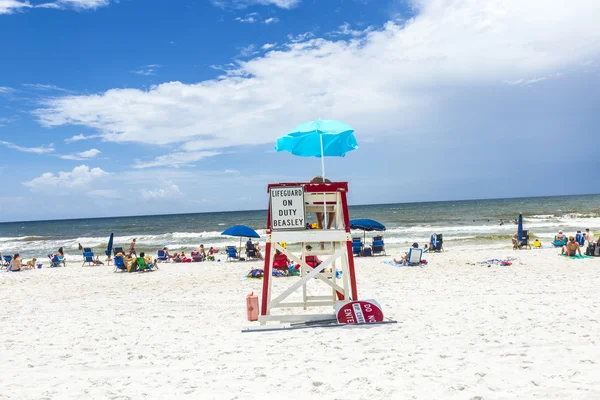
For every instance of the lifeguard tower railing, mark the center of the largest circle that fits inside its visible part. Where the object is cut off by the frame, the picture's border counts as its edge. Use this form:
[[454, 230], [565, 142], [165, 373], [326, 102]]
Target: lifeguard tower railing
[[284, 225]]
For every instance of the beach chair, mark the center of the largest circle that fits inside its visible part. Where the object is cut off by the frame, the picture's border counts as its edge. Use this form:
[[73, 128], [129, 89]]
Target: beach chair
[[580, 238], [142, 266], [436, 243], [367, 251], [378, 246], [88, 257], [161, 256], [312, 261], [5, 261], [280, 262], [117, 250], [414, 256], [87, 250], [559, 243], [120, 264], [357, 246], [196, 257], [251, 251], [524, 240], [232, 253], [56, 260]]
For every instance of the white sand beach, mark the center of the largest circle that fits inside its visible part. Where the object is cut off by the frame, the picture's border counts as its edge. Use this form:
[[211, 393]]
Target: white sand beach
[[464, 331]]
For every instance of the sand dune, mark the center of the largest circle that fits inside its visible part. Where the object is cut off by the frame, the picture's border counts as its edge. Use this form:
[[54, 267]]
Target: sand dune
[[464, 331]]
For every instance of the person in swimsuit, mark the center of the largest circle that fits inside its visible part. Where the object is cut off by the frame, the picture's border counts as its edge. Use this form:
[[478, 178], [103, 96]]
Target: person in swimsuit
[[132, 247], [515, 240], [571, 248]]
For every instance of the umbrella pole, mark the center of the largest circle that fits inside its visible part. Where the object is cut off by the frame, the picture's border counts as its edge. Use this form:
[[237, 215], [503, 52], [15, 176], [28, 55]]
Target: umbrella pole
[[323, 175]]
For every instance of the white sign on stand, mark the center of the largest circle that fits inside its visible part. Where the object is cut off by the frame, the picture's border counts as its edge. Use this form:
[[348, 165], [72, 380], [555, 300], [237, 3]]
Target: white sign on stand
[[287, 208]]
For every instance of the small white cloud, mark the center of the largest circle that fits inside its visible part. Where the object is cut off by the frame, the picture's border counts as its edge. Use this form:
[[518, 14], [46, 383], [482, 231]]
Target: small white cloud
[[177, 159], [39, 86], [75, 4], [272, 20], [301, 37], [6, 89], [80, 176], [169, 191], [247, 51], [249, 18], [10, 6], [147, 70], [268, 46], [84, 155], [286, 4], [80, 137], [232, 171], [36, 150]]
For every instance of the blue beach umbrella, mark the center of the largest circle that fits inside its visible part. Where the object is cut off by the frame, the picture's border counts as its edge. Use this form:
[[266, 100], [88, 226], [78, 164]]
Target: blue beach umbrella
[[110, 246], [365, 225], [321, 138], [241, 231], [520, 229]]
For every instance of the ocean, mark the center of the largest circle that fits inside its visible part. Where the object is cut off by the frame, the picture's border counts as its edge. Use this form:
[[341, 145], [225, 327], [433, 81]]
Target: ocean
[[464, 224]]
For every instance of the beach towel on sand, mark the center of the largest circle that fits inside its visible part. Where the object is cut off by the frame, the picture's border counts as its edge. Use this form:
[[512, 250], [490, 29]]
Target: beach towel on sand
[[395, 264], [507, 262], [576, 256]]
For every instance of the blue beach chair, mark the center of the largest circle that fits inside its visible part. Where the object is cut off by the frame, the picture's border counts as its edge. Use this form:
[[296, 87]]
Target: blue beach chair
[[378, 246], [357, 246], [559, 243], [232, 253], [88, 257], [120, 265], [56, 261], [437, 243], [251, 251], [5, 261], [524, 240], [580, 238], [117, 250], [161, 256], [414, 256]]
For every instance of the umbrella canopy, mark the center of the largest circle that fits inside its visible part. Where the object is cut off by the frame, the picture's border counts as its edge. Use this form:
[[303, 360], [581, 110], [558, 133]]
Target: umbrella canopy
[[366, 225], [241, 231], [520, 228], [110, 245], [328, 138]]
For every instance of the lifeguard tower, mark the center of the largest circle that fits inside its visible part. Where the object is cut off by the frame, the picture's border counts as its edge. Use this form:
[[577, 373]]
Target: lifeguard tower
[[289, 206]]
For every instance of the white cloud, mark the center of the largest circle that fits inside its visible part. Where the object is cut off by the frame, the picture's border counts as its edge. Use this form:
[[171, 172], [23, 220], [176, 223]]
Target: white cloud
[[36, 150], [176, 159], [287, 4], [168, 191], [6, 89], [39, 86], [268, 46], [247, 51], [377, 81], [10, 6], [147, 70], [80, 137], [271, 20], [81, 176], [84, 155], [76, 4], [249, 18]]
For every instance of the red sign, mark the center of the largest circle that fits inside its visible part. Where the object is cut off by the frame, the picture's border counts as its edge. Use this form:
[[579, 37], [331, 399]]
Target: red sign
[[359, 312]]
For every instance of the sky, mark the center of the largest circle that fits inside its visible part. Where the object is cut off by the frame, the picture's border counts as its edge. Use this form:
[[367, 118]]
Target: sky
[[130, 107]]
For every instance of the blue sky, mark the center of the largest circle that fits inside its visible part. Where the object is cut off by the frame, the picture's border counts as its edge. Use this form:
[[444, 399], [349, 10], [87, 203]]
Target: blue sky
[[165, 106]]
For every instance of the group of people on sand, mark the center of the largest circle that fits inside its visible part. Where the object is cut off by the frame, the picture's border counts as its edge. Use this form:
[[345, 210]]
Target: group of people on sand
[[200, 254]]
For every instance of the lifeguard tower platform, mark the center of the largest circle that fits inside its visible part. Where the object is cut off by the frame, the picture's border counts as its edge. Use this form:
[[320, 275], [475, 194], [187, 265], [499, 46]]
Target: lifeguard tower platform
[[290, 205]]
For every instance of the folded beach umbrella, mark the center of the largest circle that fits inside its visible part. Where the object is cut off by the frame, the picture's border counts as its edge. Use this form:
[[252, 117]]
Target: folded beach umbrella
[[365, 225], [241, 231], [110, 245], [321, 138], [520, 229]]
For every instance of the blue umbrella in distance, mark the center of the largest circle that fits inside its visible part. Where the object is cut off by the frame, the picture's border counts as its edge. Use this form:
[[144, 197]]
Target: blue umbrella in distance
[[365, 225], [241, 231], [520, 229]]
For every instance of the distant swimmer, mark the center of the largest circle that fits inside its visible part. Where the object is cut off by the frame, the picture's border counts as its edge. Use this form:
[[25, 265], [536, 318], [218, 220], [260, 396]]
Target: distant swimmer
[[516, 221], [501, 222]]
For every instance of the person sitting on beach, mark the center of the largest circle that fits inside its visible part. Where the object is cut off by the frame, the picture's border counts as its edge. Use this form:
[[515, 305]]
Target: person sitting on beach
[[132, 247], [61, 253], [177, 258], [537, 244], [588, 237], [560, 236], [571, 248], [97, 261], [16, 263], [404, 258], [185, 258], [258, 252]]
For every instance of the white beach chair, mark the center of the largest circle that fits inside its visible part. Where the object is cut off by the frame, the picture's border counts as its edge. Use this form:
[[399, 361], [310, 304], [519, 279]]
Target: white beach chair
[[414, 256]]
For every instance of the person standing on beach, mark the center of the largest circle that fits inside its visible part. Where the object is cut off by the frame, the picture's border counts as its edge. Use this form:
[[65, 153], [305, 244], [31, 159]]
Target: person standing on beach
[[588, 237], [132, 247]]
